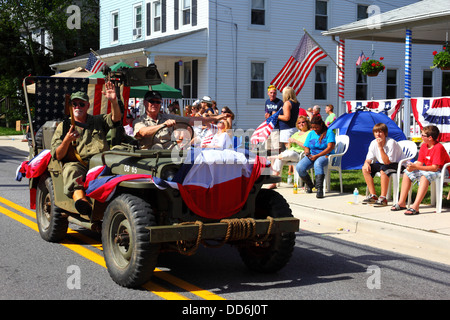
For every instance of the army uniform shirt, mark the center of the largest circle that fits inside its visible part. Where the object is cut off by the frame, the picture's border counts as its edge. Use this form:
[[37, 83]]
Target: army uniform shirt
[[163, 140], [92, 139]]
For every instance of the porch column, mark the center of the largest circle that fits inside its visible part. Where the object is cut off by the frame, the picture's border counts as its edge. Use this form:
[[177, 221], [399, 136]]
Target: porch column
[[341, 77], [407, 93]]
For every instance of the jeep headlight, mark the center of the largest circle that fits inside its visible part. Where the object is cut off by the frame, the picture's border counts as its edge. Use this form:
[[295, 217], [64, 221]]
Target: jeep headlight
[[169, 172]]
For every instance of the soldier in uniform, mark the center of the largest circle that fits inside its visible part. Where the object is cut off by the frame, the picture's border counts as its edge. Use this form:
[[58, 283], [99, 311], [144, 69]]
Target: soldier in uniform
[[148, 124], [75, 145]]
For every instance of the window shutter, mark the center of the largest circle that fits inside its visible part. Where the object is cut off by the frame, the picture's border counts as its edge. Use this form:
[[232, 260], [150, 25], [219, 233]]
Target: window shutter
[[194, 12], [149, 18], [194, 93], [176, 19], [177, 74], [163, 16]]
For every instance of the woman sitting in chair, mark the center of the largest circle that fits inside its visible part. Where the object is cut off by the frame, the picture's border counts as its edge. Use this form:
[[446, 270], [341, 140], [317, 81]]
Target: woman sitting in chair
[[319, 143], [295, 148]]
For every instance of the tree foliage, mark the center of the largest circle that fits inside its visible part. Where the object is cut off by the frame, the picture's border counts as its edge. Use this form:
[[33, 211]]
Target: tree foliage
[[20, 23]]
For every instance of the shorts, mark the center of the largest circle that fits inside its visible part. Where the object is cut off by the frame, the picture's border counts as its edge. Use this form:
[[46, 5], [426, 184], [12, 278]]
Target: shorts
[[417, 174], [286, 134], [387, 168]]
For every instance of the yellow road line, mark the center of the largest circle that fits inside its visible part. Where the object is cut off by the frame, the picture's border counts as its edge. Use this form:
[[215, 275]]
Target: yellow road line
[[94, 257], [204, 294]]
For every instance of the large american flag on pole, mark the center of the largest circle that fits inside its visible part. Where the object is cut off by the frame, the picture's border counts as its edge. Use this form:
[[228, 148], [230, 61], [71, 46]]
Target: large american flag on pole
[[50, 97], [300, 64]]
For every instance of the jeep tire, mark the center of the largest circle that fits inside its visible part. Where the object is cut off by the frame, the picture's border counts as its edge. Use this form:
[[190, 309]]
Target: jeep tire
[[274, 253], [129, 256], [50, 220]]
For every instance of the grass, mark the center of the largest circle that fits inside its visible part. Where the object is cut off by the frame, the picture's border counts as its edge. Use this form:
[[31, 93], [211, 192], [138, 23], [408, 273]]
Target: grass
[[9, 131], [352, 179]]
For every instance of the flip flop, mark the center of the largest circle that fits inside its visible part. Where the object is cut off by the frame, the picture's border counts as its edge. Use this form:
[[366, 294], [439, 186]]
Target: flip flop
[[396, 207], [411, 212]]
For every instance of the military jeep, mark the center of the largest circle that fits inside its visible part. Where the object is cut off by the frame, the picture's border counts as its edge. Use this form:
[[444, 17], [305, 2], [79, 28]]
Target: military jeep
[[141, 220]]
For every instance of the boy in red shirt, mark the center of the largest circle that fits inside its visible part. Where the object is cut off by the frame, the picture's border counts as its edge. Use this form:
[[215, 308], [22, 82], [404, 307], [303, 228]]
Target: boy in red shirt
[[427, 168]]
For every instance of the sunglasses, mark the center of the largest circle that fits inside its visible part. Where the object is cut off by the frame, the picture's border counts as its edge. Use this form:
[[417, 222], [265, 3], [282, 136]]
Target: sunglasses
[[79, 104], [300, 122], [154, 101]]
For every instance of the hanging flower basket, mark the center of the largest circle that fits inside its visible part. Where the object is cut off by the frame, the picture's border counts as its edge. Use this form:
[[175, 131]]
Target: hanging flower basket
[[372, 67], [442, 59]]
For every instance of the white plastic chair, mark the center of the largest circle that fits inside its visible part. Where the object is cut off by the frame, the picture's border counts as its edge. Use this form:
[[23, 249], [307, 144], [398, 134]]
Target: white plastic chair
[[409, 152], [436, 192], [335, 161]]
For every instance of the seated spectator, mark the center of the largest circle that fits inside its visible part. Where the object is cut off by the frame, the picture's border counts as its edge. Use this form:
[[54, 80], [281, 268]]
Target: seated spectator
[[229, 119], [294, 150], [383, 157], [316, 112], [188, 111], [331, 116], [129, 127], [427, 168], [221, 140], [319, 143]]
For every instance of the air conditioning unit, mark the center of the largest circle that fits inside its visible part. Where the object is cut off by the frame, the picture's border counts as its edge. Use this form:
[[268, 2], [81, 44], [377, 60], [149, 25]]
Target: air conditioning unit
[[137, 32]]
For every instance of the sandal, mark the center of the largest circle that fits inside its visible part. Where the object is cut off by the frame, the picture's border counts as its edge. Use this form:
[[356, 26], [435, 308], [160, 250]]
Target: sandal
[[411, 212], [396, 207]]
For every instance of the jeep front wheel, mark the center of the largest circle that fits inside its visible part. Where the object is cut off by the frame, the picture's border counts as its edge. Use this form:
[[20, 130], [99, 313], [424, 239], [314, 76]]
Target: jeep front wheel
[[129, 256], [50, 220], [273, 253]]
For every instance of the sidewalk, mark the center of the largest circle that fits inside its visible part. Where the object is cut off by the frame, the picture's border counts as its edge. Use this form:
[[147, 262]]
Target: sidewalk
[[426, 235]]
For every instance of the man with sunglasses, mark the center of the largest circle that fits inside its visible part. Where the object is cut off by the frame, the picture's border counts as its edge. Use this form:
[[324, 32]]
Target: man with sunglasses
[[75, 144], [153, 120]]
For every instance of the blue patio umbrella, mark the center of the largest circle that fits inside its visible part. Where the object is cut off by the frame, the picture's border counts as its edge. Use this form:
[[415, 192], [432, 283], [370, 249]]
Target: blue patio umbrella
[[358, 126]]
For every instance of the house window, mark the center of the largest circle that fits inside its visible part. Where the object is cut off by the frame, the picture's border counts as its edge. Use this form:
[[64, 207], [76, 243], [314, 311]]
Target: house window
[[391, 84], [257, 80], [320, 85], [321, 15], [362, 12], [137, 30], [115, 26], [157, 16], [427, 83], [258, 12], [186, 12], [361, 85], [187, 79]]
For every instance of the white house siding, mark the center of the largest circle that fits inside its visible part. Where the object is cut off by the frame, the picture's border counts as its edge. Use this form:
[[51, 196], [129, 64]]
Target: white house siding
[[233, 43]]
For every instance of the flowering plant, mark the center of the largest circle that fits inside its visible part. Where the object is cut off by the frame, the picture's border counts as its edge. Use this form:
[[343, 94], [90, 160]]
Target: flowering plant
[[441, 59], [372, 66]]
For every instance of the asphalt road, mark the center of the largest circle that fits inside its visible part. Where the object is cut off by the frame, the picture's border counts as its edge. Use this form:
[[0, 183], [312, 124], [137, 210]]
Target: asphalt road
[[322, 267]]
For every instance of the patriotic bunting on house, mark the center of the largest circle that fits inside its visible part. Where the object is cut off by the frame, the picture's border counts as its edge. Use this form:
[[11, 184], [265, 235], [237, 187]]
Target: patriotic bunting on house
[[433, 111], [388, 107]]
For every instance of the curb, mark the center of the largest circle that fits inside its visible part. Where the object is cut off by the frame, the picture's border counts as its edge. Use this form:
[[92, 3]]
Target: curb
[[409, 240]]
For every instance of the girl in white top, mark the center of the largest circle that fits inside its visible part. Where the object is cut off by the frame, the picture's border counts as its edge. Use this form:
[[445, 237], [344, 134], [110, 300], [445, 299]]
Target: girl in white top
[[221, 140], [383, 156]]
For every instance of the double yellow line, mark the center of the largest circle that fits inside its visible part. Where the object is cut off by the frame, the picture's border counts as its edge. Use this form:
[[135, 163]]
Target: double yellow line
[[98, 259]]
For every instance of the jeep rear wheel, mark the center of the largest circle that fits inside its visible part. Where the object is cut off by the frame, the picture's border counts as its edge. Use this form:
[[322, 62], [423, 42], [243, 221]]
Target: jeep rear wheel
[[129, 256], [50, 220], [274, 253]]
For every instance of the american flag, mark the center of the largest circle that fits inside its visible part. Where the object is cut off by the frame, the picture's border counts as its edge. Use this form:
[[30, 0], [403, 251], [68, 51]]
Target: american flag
[[361, 59], [300, 64], [51, 91], [93, 64], [209, 135], [265, 129]]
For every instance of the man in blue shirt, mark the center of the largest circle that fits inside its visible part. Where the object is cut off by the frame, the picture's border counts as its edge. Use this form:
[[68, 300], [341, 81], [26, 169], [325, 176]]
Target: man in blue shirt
[[273, 104]]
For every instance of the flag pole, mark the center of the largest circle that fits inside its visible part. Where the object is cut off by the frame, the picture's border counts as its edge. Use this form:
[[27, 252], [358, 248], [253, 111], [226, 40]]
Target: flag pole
[[321, 48], [95, 53]]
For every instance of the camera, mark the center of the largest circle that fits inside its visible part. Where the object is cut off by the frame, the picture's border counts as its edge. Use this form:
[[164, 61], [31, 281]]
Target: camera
[[139, 76]]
